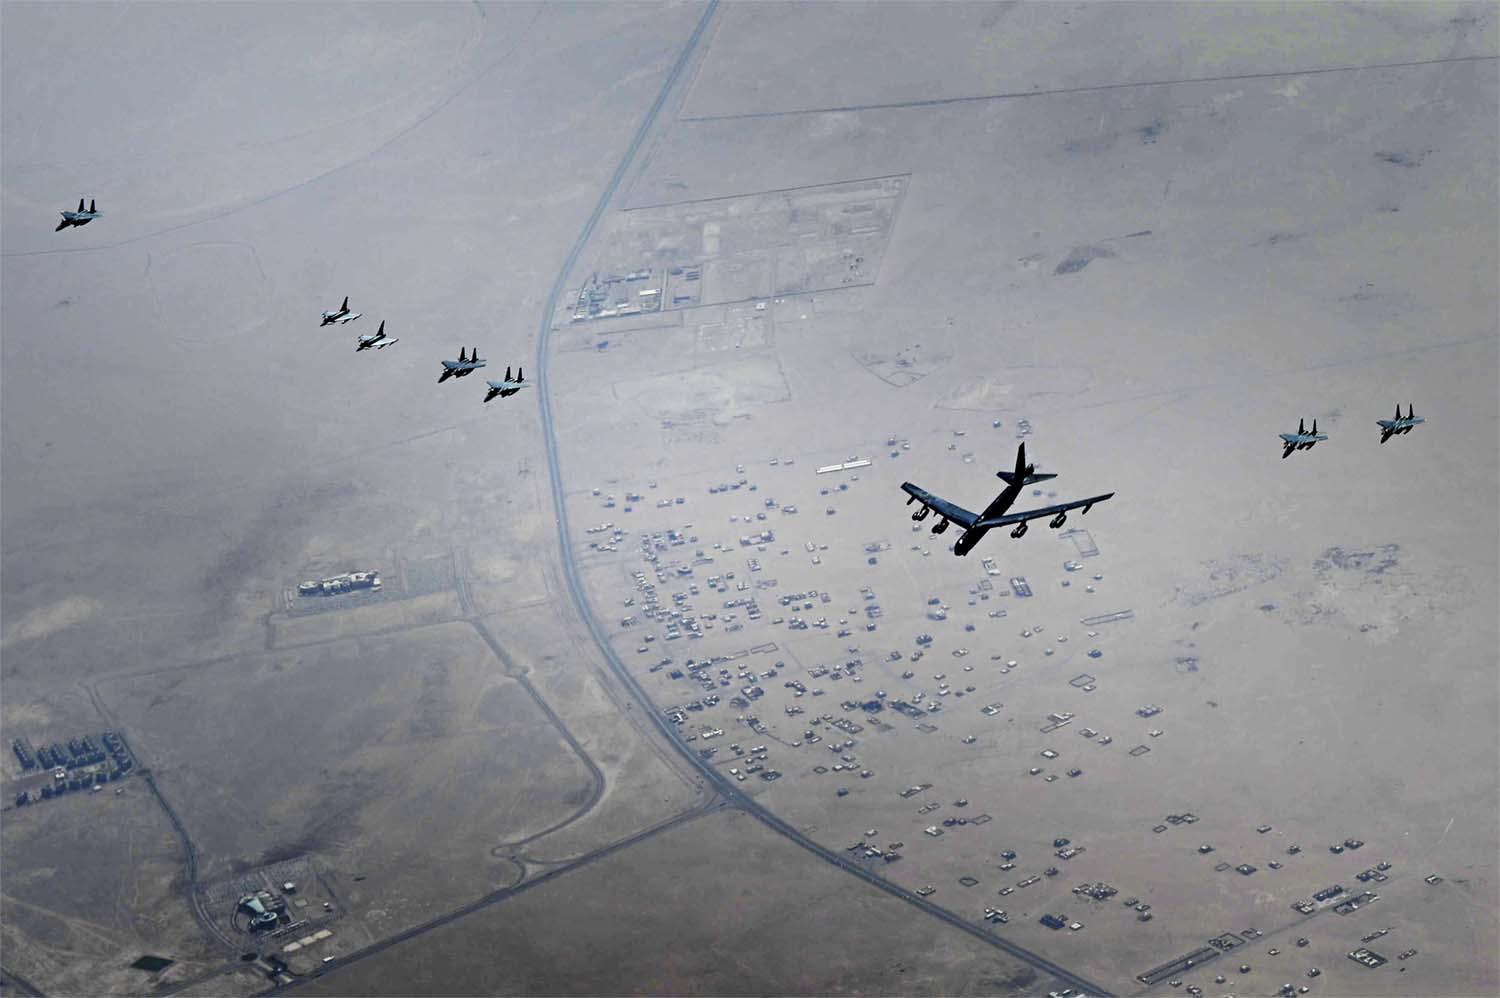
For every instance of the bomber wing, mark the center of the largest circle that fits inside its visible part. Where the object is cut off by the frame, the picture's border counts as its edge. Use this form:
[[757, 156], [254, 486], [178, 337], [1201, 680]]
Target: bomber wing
[[945, 509], [1045, 511]]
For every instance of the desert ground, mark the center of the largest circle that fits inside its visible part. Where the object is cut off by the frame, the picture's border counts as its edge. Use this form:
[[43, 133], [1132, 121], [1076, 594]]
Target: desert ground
[[662, 691]]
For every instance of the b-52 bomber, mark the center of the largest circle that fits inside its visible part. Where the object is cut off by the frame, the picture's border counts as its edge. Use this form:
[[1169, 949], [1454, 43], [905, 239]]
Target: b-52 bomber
[[995, 514], [377, 339], [509, 386], [342, 315], [1400, 424], [79, 217], [462, 366], [1303, 439]]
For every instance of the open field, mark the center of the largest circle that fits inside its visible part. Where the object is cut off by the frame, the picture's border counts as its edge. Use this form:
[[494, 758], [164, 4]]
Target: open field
[[94, 881], [437, 747], [747, 929]]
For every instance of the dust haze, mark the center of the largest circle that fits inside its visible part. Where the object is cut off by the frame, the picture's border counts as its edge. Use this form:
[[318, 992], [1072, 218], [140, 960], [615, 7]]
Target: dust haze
[[661, 689]]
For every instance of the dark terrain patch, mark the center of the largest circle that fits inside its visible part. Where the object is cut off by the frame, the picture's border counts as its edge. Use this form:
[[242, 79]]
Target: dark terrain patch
[[1080, 257], [1373, 561]]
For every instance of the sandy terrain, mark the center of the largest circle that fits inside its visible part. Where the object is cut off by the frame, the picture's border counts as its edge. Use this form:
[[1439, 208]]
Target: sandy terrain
[[1158, 234]]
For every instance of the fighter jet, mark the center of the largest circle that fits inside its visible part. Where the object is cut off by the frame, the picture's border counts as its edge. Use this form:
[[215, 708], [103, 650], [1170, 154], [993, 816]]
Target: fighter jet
[[377, 339], [1303, 439], [79, 217], [462, 366], [996, 513], [1400, 424], [509, 386], [342, 315]]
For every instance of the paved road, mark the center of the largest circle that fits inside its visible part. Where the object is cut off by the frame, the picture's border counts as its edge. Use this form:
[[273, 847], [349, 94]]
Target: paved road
[[727, 788], [15, 984], [189, 849], [505, 893]]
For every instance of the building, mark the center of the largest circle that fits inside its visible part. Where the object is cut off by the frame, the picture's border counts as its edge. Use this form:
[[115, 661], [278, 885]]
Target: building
[[347, 582]]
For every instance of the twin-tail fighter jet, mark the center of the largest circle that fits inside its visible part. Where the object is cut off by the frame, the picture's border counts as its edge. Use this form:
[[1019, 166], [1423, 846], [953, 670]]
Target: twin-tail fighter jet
[[377, 339], [996, 513], [1400, 424], [79, 217], [1303, 439], [509, 386], [462, 366], [342, 315]]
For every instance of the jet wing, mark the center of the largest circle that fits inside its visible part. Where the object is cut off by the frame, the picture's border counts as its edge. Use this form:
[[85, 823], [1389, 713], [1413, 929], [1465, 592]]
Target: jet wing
[[945, 509], [1045, 511]]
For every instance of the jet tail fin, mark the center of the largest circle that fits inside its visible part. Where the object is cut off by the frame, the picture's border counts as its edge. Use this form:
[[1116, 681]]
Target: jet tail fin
[[1024, 473], [1009, 478], [1019, 475], [92, 209], [345, 307], [507, 372], [520, 375], [80, 206]]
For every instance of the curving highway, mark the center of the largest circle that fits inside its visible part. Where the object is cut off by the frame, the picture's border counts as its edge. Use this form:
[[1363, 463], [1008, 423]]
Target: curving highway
[[726, 788]]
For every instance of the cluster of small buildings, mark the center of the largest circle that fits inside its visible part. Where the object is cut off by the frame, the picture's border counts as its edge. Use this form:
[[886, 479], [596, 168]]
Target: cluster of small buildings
[[615, 295], [264, 909], [339, 584], [732, 677], [80, 765]]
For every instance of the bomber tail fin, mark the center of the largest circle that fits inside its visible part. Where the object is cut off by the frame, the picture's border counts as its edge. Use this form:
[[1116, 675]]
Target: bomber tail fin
[[1024, 473], [1019, 475]]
